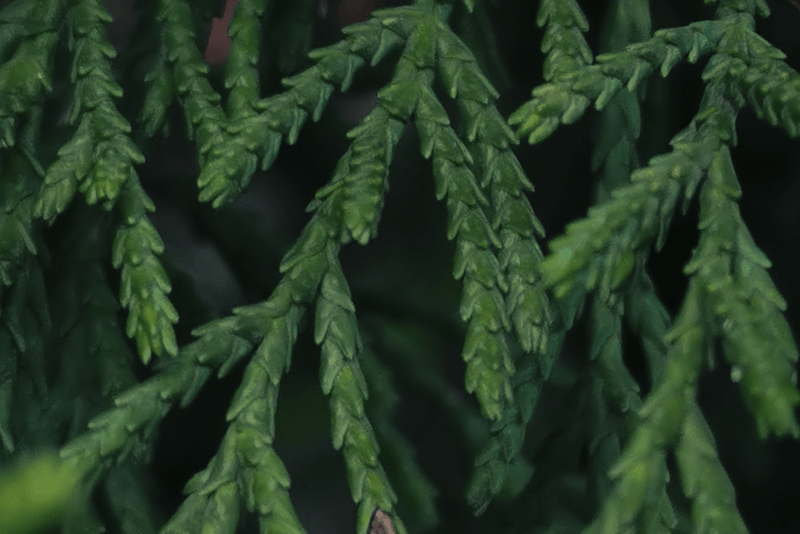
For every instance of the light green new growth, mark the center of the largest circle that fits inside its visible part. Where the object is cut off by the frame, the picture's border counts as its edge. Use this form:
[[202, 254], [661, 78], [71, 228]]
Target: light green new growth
[[517, 303]]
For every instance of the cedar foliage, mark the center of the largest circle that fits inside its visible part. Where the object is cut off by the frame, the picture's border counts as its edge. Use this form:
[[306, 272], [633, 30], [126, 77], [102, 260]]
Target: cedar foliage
[[86, 289]]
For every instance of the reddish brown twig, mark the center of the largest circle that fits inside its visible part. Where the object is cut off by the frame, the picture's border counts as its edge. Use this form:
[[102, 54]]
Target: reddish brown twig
[[349, 12], [218, 41]]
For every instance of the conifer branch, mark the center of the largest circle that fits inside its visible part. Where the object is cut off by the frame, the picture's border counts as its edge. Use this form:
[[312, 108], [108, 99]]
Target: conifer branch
[[647, 317], [230, 149], [639, 474], [246, 466], [159, 97], [489, 143], [213, 502], [241, 77], [263, 480], [618, 397], [565, 100], [362, 173], [107, 154], [563, 41], [336, 331], [241, 74], [778, 417], [489, 363], [205, 119], [598, 252], [352, 201], [704, 479], [760, 78], [126, 428], [30, 28], [98, 161], [144, 284], [744, 304]]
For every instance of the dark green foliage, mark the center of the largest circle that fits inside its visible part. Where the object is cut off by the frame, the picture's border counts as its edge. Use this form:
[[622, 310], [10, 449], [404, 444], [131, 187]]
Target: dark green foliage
[[70, 375]]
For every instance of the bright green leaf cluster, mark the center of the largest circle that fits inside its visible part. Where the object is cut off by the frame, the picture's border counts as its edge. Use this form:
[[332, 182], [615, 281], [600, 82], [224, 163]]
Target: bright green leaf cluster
[[362, 173], [34, 495], [501, 174], [236, 160], [352, 201], [246, 456], [313, 263], [144, 284]]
